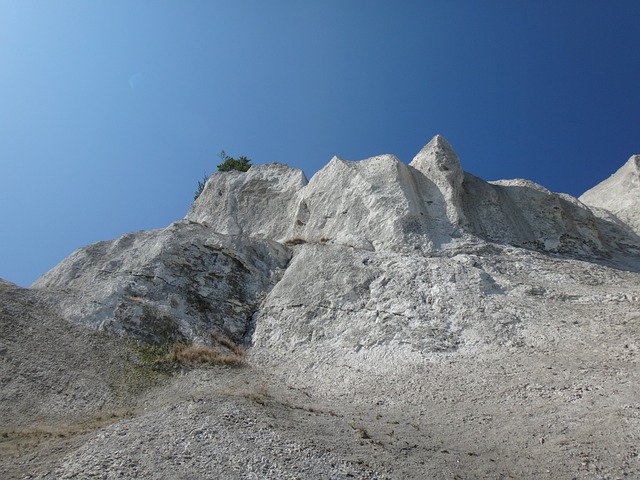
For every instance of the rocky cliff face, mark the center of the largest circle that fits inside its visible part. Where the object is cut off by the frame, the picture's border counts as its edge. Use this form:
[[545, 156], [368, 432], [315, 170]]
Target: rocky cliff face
[[404, 321], [182, 283], [619, 194], [369, 256]]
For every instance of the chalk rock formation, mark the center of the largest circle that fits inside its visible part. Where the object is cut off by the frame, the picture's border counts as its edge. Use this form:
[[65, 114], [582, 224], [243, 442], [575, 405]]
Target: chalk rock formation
[[377, 203], [373, 290], [371, 256], [182, 282], [381, 204], [256, 203], [374, 204], [619, 194], [439, 163], [525, 214]]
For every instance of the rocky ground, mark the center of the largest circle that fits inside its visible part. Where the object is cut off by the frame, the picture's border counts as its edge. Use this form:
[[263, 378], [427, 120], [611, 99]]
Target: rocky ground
[[379, 321], [543, 409]]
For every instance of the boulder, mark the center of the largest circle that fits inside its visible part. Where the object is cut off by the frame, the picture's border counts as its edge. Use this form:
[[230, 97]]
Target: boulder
[[184, 282]]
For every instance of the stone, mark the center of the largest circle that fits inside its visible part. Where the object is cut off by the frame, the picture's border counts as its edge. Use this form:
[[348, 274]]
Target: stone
[[619, 194], [256, 203], [184, 282], [373, 204], [439, 163]]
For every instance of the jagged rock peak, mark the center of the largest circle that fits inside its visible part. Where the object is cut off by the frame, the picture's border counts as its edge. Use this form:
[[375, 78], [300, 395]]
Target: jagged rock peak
[[619, 194], [382, 204], [257, 203], [438, 155], [439, 163], [370, 204]]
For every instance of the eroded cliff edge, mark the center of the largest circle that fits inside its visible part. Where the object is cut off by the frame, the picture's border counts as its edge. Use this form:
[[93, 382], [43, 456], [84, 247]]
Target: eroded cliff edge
[[369, 254]]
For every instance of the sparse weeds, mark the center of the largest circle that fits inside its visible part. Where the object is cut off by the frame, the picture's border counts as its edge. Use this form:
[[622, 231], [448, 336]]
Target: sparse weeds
[[295, 241], [300, 241], [234, 348], [137, 299], [362, 432], [203, 355], [169, 356], [19, 440], [259, 396]]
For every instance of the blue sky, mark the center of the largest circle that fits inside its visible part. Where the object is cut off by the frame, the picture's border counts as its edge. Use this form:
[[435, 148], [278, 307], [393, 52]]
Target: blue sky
[[111, 111]]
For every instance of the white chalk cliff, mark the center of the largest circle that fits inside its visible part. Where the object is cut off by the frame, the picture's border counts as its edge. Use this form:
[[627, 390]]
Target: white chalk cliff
[[619, 194], [371, 258], [402, 321]]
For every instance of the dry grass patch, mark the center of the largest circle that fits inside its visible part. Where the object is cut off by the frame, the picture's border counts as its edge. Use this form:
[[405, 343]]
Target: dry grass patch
[[203, 355], [17, 441], [295, 241], [233, 348], [167, 358], [259, 396]]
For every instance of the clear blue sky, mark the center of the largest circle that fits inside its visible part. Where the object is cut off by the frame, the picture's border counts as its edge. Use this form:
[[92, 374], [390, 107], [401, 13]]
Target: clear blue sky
[[111, 111]]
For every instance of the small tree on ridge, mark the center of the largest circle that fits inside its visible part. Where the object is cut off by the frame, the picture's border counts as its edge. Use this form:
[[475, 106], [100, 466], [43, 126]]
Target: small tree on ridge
[[242, 164]]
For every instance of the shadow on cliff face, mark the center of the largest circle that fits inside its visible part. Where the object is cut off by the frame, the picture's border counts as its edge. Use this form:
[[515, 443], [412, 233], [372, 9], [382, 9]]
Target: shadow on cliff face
[[431, 219], [523, 214], [211, 272], [178, 284]]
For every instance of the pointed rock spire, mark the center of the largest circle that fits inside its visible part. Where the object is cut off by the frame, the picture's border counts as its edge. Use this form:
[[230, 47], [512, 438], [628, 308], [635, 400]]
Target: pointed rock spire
[[439, 163], [437, 156]]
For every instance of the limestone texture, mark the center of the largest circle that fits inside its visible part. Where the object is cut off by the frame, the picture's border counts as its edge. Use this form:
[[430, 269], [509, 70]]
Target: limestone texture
[[400, 321], [619, 194], [184, 282]]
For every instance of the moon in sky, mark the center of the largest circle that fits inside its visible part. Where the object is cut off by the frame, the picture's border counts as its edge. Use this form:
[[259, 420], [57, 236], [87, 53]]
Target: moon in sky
[[135, 81]]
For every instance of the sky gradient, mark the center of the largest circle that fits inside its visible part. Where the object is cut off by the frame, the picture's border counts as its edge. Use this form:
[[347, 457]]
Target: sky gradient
[[111, 111]]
